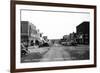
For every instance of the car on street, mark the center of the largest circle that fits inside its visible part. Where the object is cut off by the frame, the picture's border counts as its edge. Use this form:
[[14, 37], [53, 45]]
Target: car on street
[[68, 43]]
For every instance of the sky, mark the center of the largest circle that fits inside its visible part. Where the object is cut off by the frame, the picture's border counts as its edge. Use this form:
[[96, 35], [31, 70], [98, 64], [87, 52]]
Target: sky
[[54, 24]]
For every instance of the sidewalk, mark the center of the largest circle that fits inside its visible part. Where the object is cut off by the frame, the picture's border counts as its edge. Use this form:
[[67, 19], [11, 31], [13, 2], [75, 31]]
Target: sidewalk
[[35, 54]]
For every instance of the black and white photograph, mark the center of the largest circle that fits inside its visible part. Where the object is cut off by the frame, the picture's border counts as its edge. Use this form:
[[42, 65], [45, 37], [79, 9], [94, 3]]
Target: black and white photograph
[[48, 36]]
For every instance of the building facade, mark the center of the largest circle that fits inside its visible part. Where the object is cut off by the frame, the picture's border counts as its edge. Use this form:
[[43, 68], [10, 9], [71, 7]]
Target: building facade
[[83, 33], [29, 33]]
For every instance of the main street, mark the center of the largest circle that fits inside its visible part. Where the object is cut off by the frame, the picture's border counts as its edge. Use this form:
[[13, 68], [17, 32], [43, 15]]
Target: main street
[[57, 52]]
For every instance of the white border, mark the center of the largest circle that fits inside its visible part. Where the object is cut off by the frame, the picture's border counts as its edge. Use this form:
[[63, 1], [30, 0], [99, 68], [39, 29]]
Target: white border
[[52, 64]]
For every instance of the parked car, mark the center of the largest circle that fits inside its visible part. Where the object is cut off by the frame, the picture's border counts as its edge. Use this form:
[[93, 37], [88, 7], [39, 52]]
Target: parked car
[[44, 45], [68, 43], [73, 43], [63, 42]]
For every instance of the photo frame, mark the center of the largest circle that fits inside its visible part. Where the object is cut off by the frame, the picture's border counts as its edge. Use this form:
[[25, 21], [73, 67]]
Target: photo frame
[[68, 33]]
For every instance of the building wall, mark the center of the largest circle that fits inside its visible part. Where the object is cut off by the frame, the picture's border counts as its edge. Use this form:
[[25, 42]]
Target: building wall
[[24, 28], [24, 31], [83, 28], [83, 33], [29, 33]]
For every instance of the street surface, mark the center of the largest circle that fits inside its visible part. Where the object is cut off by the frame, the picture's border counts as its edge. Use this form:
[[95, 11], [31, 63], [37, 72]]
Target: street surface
[[57, 52]]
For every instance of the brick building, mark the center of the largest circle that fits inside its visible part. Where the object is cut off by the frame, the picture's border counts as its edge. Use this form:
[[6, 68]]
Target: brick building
[[29, 32], [82, 31]]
